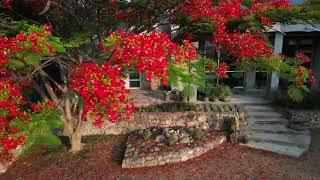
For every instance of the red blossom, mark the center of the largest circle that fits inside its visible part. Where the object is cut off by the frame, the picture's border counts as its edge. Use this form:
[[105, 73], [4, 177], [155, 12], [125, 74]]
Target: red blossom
[[312, 78], [10, 104], [150, 53], [103, 90], [242, 45], [302, 57], [221, 71], [7, 3]]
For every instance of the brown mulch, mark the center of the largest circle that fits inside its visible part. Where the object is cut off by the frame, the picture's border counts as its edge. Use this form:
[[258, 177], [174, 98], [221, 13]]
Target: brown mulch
[[102, 160]]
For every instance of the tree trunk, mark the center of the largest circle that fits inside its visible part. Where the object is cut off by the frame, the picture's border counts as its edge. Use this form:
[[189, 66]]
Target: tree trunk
[[75, 140], [74, 134]]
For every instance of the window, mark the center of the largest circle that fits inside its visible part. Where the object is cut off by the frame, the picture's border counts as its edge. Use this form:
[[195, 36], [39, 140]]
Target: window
[[134, 80]]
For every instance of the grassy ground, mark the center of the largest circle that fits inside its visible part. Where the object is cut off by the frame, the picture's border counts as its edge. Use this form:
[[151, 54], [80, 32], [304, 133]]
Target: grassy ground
[[102, 156]]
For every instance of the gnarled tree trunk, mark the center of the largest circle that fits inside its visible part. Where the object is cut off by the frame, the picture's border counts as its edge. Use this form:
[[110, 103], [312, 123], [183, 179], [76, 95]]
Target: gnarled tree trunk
[[72, 130], [75, 140]]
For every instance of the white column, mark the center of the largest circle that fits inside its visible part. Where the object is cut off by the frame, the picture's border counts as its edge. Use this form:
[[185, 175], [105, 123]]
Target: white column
[[278, 45], [193, 98], [250, 79]]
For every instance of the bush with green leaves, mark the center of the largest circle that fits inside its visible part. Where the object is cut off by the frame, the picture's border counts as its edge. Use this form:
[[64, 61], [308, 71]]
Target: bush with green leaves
[[188, 91], [310, 100], [172, 139], [198, 134], [182, 107], [146, 134], [40, 129], [220, 92]]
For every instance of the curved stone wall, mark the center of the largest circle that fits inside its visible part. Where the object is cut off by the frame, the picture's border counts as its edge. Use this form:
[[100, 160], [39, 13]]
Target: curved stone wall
[[145, 120], [134, 159]]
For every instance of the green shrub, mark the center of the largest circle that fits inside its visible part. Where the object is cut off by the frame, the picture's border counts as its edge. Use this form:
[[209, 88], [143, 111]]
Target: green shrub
[[198, 134], [181, 107], [40, 129], [226, 91], [172, 139], [146, 134], [309, 101], [207, 107], [188, 91], [220, 91], [233, 127]]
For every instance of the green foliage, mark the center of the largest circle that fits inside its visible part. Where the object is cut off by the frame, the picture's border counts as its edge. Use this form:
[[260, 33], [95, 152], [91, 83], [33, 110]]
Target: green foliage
[[308, 13], [226, 91], [285, 68], [247, 3], [233, 126], [78, 39], [172, 139], [146, 134], [198, 134], [296, 94], [181, 107], [191, 74], [39, 130], [310, 100], [188, 91], [220, 92]]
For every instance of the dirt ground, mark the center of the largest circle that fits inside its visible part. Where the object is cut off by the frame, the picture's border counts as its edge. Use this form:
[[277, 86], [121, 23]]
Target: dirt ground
[[102, 160]]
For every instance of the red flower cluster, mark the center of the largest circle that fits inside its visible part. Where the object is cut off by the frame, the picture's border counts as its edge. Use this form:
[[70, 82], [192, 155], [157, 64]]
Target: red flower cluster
[[312, 78], [243, 45], [150, 53], [7, 3], [33, 43], [221, 71], [198, 9], [10, 111], [103, 90], [301, 76], [302, 57]]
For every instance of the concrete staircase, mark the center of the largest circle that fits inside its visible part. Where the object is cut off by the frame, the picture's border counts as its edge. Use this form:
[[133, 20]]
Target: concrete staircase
[[267, 130]]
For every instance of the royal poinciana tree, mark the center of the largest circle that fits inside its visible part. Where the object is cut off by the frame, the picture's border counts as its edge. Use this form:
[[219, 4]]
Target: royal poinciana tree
[[117, 36]]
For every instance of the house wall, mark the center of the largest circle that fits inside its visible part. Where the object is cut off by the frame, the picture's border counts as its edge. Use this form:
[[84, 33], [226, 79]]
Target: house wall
[[153, 84]]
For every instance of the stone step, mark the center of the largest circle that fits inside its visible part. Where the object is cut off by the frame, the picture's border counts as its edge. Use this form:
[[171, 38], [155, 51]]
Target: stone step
[[271, 122], [253, 120], [258, 108], [276, 148], [271, 114], [267, 130], [301, 140], [274, 129]]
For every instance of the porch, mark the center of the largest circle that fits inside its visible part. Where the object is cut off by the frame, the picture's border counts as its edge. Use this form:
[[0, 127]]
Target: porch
[[149, 97]]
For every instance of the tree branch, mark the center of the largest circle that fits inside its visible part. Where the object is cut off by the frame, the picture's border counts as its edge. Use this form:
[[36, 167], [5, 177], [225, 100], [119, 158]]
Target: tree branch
[[50, 90]]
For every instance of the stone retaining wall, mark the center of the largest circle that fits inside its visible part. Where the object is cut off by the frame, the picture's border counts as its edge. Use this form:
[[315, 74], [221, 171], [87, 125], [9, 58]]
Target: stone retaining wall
[[161, 119], [133, 160], [302, 119]]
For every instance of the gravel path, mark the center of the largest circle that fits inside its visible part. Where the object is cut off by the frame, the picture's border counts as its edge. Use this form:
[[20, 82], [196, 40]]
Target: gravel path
[[102, 161]]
